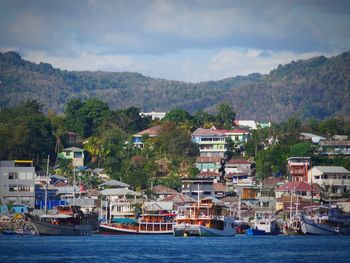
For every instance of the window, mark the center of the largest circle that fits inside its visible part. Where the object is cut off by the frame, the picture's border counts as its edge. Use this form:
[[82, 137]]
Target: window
[[317, 177], [13, 176], [12, 188]]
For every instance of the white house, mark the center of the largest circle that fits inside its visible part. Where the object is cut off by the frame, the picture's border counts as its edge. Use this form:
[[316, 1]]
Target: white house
[[336, 178]]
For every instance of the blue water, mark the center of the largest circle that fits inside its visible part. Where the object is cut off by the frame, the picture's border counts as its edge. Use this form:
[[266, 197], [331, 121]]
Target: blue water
[[101, 248]]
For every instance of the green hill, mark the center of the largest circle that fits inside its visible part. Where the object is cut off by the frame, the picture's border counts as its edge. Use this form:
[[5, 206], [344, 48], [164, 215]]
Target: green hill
[[318, 87]]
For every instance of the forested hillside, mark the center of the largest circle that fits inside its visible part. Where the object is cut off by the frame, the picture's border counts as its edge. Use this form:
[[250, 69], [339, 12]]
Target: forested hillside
[[317, 88]]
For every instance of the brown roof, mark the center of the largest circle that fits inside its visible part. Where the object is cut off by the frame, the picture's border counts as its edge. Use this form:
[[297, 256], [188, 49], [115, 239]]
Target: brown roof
[[286, 199], [208, 174], [161, 189], [153, 131], [178, 198], [219, 187], [210, 132], [299, 186], [208, 159], [231, 175], [238, 161]]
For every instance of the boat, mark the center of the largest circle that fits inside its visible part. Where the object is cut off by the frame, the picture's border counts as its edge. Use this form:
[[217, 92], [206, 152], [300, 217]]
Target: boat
[[265, 223], [19, 231], [326, 220], [147, 224], [203, 219], [67, 221]]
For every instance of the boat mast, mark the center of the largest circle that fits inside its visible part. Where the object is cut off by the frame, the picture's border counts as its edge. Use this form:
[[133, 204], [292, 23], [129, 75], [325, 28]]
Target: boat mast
[[47, 174], [73, 185]]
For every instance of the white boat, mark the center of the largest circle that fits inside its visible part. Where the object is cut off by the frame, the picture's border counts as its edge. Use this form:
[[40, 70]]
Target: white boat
[[203, 219], [326, 220]]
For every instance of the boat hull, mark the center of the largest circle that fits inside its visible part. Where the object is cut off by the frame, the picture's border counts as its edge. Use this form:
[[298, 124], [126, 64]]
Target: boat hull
[[309, 227], [113, 230], [255, 232], [48, 229], [199, 230]]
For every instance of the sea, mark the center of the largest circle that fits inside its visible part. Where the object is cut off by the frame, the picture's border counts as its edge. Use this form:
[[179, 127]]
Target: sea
[[105, 248]]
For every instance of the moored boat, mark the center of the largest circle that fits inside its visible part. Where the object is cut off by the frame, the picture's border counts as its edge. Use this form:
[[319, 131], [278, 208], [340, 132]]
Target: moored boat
[[326, 220], [67, 221], [203, 219], [265, 224], [148, 224]]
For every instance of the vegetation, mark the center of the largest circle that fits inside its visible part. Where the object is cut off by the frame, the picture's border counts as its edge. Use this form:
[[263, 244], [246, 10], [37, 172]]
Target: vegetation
[[316, 88]]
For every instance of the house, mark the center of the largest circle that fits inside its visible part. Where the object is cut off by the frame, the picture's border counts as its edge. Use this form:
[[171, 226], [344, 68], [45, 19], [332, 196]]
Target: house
[[220, 190], [17, 181], [209, 163], [162, 191], [114, 184], [286, 203], [213, 142], [301, 188], [341, 147], [239, 166], [250, 124], [198, 187], [150, 132], [153, 114], [311, 137], [178, 200], [297, 168], [73, 153], [335, 179], [158, 206]]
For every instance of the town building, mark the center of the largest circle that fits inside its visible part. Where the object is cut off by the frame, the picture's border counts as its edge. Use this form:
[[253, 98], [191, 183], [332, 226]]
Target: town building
[[209, 163], [154, 115], [17, 181], [198, 187], [300, 188], [213, 142], [150, 132], [73, 153], [297, 168], [335, 179], [162, 191], [305, 136], [340, 147]]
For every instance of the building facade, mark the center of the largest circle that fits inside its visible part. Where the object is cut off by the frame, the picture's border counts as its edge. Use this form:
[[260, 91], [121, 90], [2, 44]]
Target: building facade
[[17, 182], [335, 179], [297, 168]]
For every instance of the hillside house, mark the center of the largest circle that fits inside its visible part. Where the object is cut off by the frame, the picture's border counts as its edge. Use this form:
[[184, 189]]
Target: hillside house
[[336, 179], [297, 168], [150, 132]]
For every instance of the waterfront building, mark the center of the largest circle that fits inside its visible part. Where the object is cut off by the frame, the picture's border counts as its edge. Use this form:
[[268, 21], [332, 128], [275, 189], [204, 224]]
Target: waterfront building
[[162, 191], [17, 180], [198, 187], [297, 168], [300, 188], [150, 132], [336, 179]]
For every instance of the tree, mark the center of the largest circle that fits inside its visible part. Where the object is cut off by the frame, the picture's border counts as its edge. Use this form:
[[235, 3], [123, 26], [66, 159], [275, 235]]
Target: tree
[[303, 149], [201, 118], [178, 116], [225, 116]]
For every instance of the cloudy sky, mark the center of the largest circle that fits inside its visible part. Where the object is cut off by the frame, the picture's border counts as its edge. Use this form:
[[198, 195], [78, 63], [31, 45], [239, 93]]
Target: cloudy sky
[[185, 40]]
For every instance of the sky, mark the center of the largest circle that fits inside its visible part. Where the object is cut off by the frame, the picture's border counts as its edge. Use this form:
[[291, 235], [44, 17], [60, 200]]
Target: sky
[[184, 40]]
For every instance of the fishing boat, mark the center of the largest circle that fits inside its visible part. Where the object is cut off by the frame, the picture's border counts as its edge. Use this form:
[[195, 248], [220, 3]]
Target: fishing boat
[[265, 223], [203, 219], [326, 220], [147, 224], [66, 221]]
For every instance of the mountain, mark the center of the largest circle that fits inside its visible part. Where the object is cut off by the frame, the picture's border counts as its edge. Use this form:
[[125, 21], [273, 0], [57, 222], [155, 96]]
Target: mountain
[[317, 87]]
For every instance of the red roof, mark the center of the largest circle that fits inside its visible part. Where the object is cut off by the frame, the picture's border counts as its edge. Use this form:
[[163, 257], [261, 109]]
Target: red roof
[[299, 186], [153, 131], [238, 161], [208, 159]]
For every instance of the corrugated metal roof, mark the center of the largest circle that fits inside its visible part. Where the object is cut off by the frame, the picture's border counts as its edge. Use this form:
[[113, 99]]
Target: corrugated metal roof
[[332, 169]]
